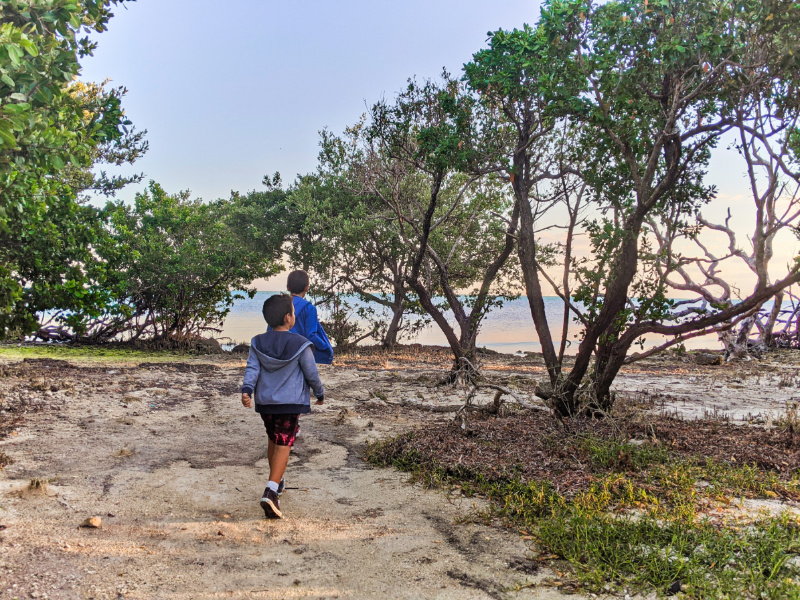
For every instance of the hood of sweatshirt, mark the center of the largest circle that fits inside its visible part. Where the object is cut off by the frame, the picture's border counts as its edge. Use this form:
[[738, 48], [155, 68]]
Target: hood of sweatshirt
[[276, 349]]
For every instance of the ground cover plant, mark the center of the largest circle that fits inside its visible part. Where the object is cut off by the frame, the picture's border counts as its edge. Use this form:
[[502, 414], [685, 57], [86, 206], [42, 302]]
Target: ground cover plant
[[106, 352], [631, 504]]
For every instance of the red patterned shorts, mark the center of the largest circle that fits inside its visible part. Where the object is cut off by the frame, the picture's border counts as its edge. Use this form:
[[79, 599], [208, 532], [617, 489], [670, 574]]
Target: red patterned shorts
[[281, 429]]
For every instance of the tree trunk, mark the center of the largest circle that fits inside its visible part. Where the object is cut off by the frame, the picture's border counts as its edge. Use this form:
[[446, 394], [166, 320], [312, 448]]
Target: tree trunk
[[533, 286], [390, 338], [768, 331], [607, 369], [463, 347], [737, 340], [468, 342]]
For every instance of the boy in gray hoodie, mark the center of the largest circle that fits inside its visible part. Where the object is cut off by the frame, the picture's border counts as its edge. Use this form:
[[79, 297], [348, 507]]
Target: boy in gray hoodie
[[280, 374]]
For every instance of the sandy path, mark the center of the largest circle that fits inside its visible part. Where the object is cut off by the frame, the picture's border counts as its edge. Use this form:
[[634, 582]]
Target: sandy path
[[174, 465]]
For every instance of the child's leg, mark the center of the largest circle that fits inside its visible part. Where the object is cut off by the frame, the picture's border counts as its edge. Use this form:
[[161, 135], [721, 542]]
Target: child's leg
[[270, 452], [278, 459], [283, 428]]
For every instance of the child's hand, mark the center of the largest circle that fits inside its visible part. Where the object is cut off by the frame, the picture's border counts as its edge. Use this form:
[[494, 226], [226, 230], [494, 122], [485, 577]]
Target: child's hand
[[320, 401], [246, 400]]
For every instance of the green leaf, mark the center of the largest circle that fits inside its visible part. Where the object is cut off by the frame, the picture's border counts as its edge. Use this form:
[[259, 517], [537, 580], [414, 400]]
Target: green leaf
[[16, 108], [14, 54], [29, 47], [6, 135]]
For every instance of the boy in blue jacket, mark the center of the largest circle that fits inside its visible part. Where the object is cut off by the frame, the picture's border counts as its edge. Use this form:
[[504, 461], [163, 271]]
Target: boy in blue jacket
[[280, 376], [307, 323]]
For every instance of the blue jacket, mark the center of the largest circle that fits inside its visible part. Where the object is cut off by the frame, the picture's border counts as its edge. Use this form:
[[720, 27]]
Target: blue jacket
[[307, 324], [281, 372]]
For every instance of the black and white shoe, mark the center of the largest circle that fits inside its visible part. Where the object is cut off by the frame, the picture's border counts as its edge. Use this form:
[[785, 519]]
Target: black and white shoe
[[270, 504], [281, 487]]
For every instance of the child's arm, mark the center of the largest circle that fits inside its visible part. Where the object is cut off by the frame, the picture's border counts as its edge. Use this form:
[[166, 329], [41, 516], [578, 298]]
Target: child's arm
[[314, 333], [251, 373], [310, 372]]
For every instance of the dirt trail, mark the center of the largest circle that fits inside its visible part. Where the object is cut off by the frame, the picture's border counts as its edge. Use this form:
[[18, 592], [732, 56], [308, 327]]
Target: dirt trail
[[173, 464]]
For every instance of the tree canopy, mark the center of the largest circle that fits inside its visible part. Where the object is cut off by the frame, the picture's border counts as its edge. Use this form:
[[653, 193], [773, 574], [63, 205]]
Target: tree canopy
[[570, 158], [52, 131], [597, 123], [173, 267]]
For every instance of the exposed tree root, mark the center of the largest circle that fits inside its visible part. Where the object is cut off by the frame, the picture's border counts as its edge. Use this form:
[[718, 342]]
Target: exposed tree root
[[448, 408], [464, 372], [494, 407], [584, 403], [497, 406]]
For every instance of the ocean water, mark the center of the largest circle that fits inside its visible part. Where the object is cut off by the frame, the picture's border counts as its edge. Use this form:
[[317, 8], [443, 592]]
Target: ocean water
[[508, 329]]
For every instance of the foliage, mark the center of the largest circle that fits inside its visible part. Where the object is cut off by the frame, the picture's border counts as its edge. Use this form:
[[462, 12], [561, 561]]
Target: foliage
[[271, 220], [172, 267], [124, 149], [650, 553], [628, 99], [43, 126], [346, 321], [429, 234], [51, 131], [355, 249]]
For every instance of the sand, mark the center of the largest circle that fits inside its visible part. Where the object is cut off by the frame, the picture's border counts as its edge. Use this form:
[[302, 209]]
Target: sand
[[174, 466]]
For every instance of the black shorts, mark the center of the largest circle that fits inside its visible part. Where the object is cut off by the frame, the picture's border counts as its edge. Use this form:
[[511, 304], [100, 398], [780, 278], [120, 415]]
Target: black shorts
[[281, 429]]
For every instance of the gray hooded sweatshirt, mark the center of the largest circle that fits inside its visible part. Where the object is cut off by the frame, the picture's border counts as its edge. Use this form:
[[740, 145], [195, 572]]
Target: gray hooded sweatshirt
[[281, 371]]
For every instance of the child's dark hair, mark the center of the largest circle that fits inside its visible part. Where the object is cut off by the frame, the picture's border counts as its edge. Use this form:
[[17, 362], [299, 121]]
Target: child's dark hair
[[276, 308], [297, 282]]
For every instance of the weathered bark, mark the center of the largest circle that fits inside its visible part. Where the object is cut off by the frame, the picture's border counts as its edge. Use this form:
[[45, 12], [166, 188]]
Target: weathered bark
[[606, 373], [390, 337], [768, 328], [530, 268], [463, 353], [736, 340], [622, 274], [462, 344]]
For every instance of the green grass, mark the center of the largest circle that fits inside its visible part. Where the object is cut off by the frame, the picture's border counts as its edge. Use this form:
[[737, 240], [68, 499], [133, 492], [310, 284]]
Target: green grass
[[621, 455], [653, 553], [747, 480], [640, 525], [96, 353]]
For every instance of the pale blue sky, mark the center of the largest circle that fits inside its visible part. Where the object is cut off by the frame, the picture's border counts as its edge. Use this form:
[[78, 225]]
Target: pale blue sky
[[230, 94], [230, 91]]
